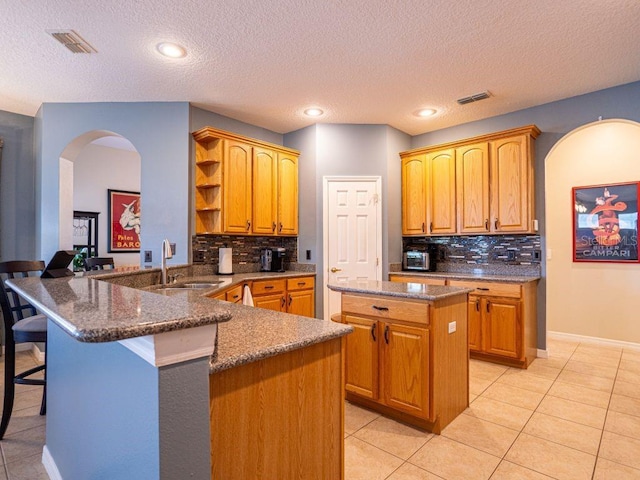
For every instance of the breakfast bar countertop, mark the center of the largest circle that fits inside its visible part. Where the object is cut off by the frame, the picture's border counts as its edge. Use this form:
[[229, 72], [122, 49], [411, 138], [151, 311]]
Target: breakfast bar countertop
[[485, 277], [418, 291]]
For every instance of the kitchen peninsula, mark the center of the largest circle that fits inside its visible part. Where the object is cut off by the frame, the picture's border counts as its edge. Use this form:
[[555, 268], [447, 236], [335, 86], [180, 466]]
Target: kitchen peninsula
[[407, 357], [172, 386]]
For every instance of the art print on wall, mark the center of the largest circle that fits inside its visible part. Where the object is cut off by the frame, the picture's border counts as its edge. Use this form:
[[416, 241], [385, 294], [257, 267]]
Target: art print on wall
[[605, 223], [124, 221]]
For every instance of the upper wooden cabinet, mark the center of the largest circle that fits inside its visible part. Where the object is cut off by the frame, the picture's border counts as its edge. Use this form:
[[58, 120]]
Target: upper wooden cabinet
[[244, 186], [479, 185]]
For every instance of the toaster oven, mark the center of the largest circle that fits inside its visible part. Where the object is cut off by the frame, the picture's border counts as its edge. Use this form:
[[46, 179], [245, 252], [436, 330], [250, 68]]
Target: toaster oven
[[414, 260]]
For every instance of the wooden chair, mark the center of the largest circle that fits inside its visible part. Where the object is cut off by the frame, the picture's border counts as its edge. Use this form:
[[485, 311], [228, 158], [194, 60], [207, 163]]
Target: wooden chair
[[19, 328], [98, 263]]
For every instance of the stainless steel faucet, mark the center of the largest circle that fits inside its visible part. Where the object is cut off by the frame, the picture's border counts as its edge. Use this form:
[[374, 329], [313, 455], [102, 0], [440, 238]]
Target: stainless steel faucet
[[166, 254]]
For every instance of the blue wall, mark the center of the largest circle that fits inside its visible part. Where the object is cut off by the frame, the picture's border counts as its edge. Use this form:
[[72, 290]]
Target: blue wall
[[160, 134], [17, 188]]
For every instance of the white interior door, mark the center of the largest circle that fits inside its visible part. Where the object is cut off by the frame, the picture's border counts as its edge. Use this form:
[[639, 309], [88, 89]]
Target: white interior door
[[352, 234]]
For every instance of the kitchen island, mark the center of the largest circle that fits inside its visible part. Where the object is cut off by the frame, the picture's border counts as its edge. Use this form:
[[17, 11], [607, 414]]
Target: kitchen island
[[408, 356], [142, 384]]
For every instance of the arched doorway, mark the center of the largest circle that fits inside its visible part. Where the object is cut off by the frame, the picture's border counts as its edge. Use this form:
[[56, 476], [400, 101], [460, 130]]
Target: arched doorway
[[90, 165]]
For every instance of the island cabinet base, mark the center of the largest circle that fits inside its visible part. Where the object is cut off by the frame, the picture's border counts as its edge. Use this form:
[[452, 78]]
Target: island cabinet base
[[280, 417]]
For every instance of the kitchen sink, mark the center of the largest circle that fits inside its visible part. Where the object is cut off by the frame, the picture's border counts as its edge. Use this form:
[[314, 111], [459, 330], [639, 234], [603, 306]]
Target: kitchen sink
[[214, 283]]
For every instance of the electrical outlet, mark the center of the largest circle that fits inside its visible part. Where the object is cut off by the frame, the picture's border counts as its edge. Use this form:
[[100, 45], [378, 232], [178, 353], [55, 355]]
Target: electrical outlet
[[173, 248], [308, 254], [452, 327], [511, 255], [536, 254], [198, 256], [148, 256]]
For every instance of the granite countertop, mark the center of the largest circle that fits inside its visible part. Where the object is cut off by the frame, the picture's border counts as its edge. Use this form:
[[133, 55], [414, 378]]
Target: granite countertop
[[399, 289], [91, 310], [506, 278]]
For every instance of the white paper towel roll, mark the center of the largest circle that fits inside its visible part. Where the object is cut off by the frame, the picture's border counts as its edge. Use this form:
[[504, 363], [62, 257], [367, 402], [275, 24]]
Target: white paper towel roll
[[225, 265]]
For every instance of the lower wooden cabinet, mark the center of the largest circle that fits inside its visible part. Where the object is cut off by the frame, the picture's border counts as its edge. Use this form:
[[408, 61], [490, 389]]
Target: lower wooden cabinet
[[293, 295], [390, 361], [502, 321]]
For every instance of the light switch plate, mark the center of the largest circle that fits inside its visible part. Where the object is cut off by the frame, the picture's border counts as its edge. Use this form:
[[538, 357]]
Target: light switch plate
[[147, 256], [452, 327]]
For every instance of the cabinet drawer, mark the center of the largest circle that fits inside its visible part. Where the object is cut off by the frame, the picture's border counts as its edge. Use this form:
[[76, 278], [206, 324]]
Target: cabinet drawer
[[511, 290], [234, 294], [262, 287], [417, 279], [303, 283], [387, 308]]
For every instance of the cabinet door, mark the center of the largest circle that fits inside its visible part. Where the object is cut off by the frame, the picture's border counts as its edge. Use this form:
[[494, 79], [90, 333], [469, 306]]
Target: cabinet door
[[265, 195], [502, 327], [405, 368], [275, 302], [511, 192], [475, 323], [472, 171], [287, 194], [414, 195], [361, 357], [441, 192], [301, 303], [237, 187]]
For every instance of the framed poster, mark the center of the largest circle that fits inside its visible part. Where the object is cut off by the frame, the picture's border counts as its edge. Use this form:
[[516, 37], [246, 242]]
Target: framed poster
[[123, 221], [605, 223]]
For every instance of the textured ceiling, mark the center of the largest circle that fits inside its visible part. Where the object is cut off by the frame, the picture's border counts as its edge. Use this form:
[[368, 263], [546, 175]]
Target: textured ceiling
[[361, 61]]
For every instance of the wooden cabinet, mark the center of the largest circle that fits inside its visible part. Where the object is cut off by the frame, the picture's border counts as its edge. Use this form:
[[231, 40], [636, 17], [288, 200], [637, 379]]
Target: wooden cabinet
[[475, 186], [294, 295], [244, 186], [287, 194], [301, 296], [414, 195], [441, 192], [401, 359], [502, 321]]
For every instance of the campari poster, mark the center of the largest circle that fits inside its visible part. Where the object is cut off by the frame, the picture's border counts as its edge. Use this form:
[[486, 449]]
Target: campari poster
[[605, 223], [124, 221]]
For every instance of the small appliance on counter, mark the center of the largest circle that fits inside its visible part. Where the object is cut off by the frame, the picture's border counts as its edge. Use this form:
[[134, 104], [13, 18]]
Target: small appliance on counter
[[419, 261], [225, 265], [272, 259]]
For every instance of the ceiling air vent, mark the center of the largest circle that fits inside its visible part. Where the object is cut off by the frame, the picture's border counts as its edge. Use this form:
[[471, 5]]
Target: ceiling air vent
[[72, 41], [473, 98]]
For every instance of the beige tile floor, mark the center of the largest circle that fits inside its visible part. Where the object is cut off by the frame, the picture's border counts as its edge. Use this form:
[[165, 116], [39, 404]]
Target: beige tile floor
[[575, 415]]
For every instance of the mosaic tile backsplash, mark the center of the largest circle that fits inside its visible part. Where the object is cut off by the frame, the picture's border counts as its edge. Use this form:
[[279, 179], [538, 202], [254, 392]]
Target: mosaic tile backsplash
[[246, 250], [514, 250]]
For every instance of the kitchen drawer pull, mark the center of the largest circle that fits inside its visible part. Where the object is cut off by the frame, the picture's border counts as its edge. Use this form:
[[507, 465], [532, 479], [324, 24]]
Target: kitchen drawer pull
[[386, 334], [373, 332], [484, 289], [268, 287], [380, 309], [236, 296], [302, 284]]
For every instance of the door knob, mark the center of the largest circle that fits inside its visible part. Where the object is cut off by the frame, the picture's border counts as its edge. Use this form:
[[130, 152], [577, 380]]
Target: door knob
[[334, 269]]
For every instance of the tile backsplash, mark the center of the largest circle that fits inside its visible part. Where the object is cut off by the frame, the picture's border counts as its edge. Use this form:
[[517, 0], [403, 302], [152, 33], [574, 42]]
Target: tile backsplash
[[246, 250], [514, 250]]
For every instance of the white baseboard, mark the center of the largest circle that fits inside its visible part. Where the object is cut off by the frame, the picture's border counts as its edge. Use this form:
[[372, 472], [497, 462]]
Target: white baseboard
[[605, 342], [542, 353], [36, 352], [50, 465]]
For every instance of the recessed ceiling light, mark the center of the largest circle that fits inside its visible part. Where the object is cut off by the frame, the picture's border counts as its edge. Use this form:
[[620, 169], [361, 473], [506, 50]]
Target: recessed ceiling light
[[425, 112], [313, 112], [172, 50]]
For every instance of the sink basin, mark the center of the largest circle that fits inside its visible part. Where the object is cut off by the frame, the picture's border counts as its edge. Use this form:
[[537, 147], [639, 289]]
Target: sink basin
[[201, 284]]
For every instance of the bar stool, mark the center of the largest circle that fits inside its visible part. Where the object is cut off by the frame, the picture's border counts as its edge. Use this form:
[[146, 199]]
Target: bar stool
[[19, 328]]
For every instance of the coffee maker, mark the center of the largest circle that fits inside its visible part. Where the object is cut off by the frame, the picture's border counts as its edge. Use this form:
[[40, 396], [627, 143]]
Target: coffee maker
[[272, 259]]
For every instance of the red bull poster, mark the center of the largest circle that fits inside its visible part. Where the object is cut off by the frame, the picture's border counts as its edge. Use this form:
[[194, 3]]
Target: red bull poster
[[124, 221], [605, 223]]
